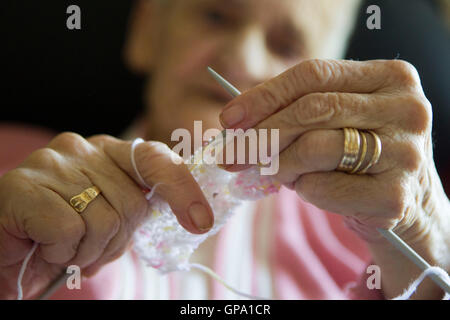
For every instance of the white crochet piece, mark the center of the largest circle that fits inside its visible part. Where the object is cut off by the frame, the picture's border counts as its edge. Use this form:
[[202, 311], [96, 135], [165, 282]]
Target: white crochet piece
[[165, 245]]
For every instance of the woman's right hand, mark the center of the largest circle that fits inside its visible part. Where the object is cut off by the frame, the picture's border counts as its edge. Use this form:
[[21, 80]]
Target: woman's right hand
[[34, 206]]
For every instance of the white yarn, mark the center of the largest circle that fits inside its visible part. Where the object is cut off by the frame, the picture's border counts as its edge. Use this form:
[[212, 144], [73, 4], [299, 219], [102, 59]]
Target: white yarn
[[22, 271], [226, 285], [135, 143], [430, 271]]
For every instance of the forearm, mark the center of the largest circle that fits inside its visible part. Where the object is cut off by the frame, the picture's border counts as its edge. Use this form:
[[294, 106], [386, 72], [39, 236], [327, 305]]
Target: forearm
[[432, 243]]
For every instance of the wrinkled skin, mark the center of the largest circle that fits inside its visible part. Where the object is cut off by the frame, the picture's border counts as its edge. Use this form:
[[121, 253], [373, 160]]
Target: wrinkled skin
[[248, 42]]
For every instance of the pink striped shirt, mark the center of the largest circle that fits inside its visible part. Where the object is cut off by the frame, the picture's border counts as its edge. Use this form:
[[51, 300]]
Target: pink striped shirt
[[280, 247]]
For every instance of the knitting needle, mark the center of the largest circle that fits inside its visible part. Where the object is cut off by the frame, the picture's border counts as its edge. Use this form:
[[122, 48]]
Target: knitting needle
[[224, 83], [395, 240], [54, 286], [401, 245], [233, 92]]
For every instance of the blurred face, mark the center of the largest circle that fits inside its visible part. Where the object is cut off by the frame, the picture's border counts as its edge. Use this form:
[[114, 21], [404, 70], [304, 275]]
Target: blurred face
[[247, 41]]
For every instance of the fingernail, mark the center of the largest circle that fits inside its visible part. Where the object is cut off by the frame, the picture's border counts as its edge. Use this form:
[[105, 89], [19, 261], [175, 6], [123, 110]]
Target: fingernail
[[200, 217], [232, 116]]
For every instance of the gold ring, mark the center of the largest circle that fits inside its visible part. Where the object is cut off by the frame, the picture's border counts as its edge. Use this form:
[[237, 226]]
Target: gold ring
[[376, 153], [81, 201], [352, 144], [363, 152]]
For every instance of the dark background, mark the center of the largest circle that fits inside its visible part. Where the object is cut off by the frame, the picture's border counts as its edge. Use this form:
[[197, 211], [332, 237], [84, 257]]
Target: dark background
[[67, 79], [75, 80]]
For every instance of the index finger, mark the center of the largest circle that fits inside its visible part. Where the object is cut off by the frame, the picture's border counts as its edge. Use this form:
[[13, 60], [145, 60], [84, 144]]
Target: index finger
[[307, 77]]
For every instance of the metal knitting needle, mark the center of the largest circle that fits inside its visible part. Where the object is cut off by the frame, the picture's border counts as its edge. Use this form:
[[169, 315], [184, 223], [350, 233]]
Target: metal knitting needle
[[401, 245], [54, 286], [233, 92], [395, 240], [224, 83]]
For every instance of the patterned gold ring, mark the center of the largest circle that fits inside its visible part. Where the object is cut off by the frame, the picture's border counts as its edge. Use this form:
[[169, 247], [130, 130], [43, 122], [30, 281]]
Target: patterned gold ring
[[363, 152], [352, 143], [81, 201]]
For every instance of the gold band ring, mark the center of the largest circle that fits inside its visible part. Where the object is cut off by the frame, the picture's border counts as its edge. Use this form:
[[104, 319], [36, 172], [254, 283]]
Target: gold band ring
[[376, 154], [351, 150], [353, 156], [363, 152], [81, 201]]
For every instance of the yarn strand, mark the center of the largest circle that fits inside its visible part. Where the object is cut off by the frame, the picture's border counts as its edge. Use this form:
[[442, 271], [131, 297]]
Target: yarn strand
[[214, 275], [430, 271], [22, 271]]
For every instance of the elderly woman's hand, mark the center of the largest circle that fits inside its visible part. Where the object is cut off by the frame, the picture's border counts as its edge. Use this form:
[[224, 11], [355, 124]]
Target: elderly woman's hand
[[34, 206], [310, 103]]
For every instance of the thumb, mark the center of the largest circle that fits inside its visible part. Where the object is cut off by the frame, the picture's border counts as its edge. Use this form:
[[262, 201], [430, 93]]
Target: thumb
[[158, 164]]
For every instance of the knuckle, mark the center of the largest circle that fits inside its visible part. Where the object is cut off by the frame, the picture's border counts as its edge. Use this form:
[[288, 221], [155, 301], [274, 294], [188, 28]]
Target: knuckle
[[332, 104], [70, 142], [333, 100], [117, 246], [154, 152], [403, 72], [112, 223], [419, 114], [123, 233], [316, 107], [396, 199], [100, 139], [14, 181], [113, 255], [51, 161], [319, 71], [412, 157], [153, 161], [157, 148], [44, 158], [269, 98], [179, 178], [66, 138], [71, 231]]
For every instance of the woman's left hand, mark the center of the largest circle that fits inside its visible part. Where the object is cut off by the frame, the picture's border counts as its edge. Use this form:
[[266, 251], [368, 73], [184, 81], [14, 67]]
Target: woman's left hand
[[310, 104]]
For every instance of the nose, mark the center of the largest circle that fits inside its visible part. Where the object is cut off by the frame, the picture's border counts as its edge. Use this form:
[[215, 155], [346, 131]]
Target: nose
[[246, 60]]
